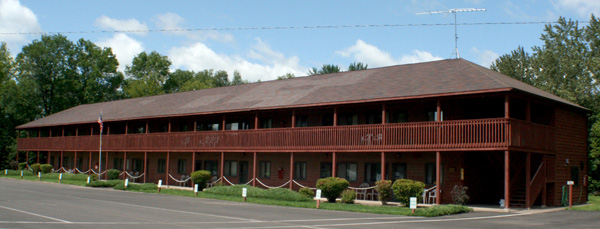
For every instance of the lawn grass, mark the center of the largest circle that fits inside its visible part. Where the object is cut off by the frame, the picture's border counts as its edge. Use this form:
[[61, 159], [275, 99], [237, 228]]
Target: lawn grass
[[594, 204], [278, 197]]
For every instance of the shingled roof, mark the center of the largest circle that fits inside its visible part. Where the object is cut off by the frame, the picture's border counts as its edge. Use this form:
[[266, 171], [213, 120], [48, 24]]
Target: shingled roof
[[394, 82]]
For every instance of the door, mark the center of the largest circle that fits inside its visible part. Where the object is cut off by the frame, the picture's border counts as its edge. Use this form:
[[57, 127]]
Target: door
[[243, 172]]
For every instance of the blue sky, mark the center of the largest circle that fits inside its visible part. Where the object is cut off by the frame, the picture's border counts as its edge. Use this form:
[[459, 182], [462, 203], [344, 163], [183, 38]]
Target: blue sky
[[267, 53]]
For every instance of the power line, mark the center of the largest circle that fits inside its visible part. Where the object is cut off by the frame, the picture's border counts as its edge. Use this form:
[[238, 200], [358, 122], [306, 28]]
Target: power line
[[281, 28]]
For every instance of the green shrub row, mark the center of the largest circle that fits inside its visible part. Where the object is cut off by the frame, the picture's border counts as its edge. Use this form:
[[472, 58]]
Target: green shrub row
[[253, 192]]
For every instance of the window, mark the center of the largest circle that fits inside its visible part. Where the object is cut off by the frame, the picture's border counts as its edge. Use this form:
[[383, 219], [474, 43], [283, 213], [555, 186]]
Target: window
[[347, 171], [67, 162], [327, 120], [300, 170], [214, 126], [137, 165], [398, 171], [212, 167], [237, 125], [325, 169], [348, 119], [118, 163], [575, 175], [181, 166], [430, 173], [160, 168], [432, 116], [373, 118], [266, 124], [231, 168], [372, 172], [264, 169], [396, 117], [301, 121]]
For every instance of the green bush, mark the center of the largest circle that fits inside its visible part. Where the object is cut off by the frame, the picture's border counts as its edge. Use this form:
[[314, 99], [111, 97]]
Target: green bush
[[22, 165], [404, 189], [35, 168], [200, 177], [149, 187], [108, 183], [113, 174], [307, 192], [93, 177], [14, 165], [384, 188], [348, 196], [253, 192], [459, 195], [332, 187], [46, 168]]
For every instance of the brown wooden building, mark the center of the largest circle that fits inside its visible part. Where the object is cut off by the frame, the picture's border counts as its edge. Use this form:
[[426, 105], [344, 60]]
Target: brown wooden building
[[444, 123]]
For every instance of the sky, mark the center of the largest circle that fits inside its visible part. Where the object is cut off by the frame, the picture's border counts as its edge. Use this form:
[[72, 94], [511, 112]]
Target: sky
[[223, 35]]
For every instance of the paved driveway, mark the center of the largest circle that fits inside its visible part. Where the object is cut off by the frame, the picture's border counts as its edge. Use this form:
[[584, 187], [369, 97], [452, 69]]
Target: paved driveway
[[28, 204]]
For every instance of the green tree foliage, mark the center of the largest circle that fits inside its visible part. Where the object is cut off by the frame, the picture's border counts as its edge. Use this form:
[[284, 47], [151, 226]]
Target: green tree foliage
[[357, 66], [325, 69], [567, 65], [7, 122], [148, 73], [286, 76]]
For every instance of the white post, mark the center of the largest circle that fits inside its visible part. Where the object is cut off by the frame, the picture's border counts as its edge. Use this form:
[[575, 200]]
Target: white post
[[126, 182], [21, 174], [159, 185], [39, 176], [88, 180], [6, 172], [195, 189], [60, 178]]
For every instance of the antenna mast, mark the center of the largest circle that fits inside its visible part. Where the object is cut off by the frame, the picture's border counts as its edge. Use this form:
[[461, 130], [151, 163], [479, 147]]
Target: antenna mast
[[453, 11]]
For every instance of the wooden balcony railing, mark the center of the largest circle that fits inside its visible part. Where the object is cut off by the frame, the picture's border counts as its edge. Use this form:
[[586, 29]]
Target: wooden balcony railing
[[463, 134]]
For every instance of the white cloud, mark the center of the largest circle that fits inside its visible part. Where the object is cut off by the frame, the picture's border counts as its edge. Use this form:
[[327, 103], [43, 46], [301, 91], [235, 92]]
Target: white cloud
[[583, 7], [485, 58], [172, 21], [261, 62], [16, 18], [124, 47], [375, 57], [121, 25]]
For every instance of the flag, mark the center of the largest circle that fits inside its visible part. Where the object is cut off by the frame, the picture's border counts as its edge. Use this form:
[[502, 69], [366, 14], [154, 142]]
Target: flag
[[100, 122]]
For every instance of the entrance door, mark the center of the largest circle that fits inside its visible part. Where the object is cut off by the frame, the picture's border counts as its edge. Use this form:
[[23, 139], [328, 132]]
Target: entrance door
[[243, 172]]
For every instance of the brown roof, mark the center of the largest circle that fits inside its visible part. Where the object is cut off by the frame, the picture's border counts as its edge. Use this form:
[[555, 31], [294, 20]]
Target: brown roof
[[430, 78]]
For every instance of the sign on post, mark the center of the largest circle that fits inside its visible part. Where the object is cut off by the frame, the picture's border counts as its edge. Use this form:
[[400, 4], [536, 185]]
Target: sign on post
[[88, 180], [196, 190], [21, 174], [60, 178], [244, 193], [159, 185], [318, 196], [413, 204], [39, 176], [126, 183], [6, 172], [570, 184]]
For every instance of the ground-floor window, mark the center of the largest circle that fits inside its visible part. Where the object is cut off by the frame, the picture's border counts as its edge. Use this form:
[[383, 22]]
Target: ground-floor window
[[264, 169], [181, 166], [398, 171], [67, 162], [575, 175], [325, 169], [347, 171], [118, 163], [372, 172], [430, 173], [300, 170], [160, 167], [231, 168], [137, 164], [212, 167]]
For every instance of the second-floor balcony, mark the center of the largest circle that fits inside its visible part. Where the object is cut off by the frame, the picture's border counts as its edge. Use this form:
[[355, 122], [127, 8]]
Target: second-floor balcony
[[479, 134]]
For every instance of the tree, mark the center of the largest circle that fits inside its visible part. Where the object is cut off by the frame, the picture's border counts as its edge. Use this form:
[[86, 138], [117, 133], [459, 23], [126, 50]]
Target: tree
[[357, 66], [7, 86], [98, 79], [221, 79], [568, 66], [286, 76], [177, 80], [237, 79], [325, 69], [148, 73]]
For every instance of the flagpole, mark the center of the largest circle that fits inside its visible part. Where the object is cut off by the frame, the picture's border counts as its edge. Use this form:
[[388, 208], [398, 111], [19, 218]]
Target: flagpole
[[100, 156]]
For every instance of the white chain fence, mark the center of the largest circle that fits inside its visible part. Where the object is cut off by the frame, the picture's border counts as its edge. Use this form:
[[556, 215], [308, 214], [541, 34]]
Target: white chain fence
[[134, 177], [180, 181], [286, 183]]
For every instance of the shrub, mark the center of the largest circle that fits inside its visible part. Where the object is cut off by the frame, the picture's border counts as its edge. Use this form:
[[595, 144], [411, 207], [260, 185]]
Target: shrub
[[200, 177], [108, 183], [332, 187], [93, 177], [14, 165], [459, 195], [405, 188], [253, 192], [35, 168], [348, 196], [113, 174], [46, 168], [384, 188], [307, 192], [22, 165]]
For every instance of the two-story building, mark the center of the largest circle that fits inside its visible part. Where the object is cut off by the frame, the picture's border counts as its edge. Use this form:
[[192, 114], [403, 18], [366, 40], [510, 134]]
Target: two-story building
[[445, 123]]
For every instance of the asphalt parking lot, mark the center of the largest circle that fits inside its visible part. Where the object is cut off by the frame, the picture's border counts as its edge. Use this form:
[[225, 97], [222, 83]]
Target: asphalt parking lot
[[28, 204]]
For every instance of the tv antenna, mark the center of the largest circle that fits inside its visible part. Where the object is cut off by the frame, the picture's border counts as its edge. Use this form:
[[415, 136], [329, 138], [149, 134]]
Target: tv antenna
[[453, 11]]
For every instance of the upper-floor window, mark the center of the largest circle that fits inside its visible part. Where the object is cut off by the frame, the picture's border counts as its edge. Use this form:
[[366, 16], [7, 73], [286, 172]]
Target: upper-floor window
[[237, 125], [266, 123], [301, 121], [373, 118], [211, 126], [348, 119], [432, 116]]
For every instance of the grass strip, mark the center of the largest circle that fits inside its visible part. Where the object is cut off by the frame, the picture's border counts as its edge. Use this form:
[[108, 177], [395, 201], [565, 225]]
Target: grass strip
[[593, 204]]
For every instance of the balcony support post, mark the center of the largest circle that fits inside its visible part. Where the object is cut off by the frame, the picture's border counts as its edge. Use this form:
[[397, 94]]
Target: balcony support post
[[105, 164], [335, 116], [256, 121], [124, 164], [506, 180], [438, 181], [382, 165], [62, 154], [47, 159], [222, 162], [254, 171], [528, 181], [223, 128], [293, 118], [145, 166], [333, 165], [292, 171], [168, 168], [126, 127], [193, 162], [74, 159], [89, 163], [27, 157], [37, 158]]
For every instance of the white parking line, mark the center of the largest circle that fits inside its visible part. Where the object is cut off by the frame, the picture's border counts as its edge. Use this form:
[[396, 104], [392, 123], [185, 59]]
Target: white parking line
[[38, 215]]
